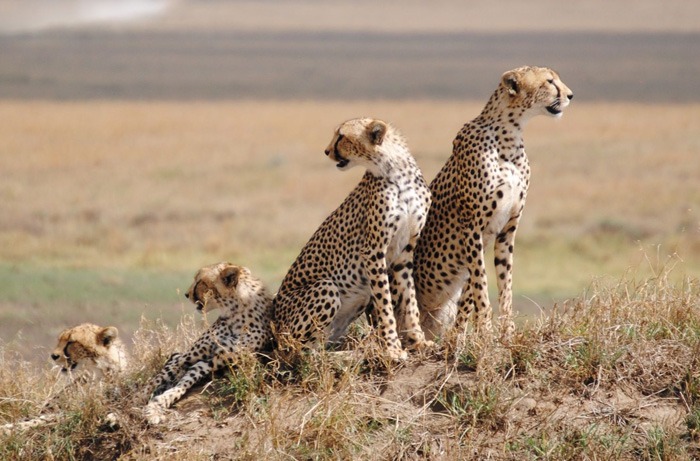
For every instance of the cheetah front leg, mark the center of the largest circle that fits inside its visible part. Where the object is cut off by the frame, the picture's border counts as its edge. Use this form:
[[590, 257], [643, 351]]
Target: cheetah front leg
[[403, 295], [156, 407], [475, 295], [375, 264], [503, 260], [169, 374], [223, 353]]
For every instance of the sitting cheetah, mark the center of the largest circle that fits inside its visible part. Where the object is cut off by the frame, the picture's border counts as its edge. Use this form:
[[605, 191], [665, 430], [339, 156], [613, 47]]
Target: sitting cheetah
[[478, 197], [363, 251], [86, 353], [244, 324]]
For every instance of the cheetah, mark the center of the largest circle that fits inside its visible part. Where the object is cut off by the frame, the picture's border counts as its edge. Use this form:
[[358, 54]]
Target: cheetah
[[244, 324], [362, 254], [478, 198], [88, 350], [86, 354]]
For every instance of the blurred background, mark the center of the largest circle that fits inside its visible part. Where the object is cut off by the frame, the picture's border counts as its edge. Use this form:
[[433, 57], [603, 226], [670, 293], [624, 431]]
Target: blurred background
[[142, 139]]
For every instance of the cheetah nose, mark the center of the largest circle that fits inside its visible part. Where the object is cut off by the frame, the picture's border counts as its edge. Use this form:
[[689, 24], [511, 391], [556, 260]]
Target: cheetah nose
[[55, 356], [327, 151], [570, 96], [187, 295]]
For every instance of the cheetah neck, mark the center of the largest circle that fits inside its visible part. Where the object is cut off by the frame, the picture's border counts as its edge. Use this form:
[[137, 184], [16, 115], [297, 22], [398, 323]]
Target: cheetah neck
[[396, 160], [255, 300], [505, 125], [117, 360], [501, 108]]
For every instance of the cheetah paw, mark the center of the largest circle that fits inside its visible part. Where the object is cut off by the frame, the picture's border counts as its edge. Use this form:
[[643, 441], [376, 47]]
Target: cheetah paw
[[507, 334], [424, 345], [155, 414], [398, 355], [111, 421]]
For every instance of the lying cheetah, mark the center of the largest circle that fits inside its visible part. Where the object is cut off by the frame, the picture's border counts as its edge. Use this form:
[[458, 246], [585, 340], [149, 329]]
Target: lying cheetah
[[244, 324], [89, 350], [363, 252], [87, 354], [478, 197]]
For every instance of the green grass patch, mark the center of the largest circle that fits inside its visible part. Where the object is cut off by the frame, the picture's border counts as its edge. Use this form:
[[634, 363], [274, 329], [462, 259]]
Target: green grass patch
[[22, 283]]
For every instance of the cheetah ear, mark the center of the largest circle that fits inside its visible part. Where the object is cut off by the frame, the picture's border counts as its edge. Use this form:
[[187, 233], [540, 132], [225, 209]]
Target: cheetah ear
[[510, 81], [230, 276], [107, 335], [376, 132]]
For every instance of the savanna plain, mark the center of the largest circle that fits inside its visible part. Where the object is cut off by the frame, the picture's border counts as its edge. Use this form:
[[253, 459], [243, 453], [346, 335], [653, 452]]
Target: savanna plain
[[132, 154], [110, 207]]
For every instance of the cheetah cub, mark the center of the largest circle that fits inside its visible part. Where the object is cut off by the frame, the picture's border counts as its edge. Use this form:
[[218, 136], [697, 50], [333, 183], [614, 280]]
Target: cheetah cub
[[363, 251], [90, 352], [244, 324], [88, 355], [478, 198]]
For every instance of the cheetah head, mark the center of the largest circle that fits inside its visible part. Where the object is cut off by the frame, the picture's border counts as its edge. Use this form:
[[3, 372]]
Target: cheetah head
[[357, 142], [536, 90], [219, 286], [89, 348]]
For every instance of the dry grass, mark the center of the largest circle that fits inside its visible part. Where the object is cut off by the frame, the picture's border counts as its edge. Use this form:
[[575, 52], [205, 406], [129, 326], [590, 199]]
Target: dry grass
[[609, 375]]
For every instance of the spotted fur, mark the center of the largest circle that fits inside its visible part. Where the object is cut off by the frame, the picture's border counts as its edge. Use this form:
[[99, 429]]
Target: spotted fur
[[244, 324], [478, 198], [362, 254]]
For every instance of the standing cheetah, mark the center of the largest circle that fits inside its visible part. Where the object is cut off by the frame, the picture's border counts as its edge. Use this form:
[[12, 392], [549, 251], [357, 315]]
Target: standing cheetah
[[478, 197], [363, 252]]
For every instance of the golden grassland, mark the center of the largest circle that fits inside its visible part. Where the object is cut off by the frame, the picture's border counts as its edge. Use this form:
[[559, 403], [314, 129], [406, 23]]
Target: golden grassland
[[110, 207], [112, 184]]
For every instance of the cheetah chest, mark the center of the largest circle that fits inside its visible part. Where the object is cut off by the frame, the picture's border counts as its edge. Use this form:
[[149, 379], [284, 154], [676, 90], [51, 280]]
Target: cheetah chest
[[508, 198], [406, 218]]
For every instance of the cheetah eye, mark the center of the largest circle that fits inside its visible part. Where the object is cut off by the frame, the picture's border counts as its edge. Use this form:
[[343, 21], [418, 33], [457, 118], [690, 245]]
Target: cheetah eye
[[65, 348], [550, 80]]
